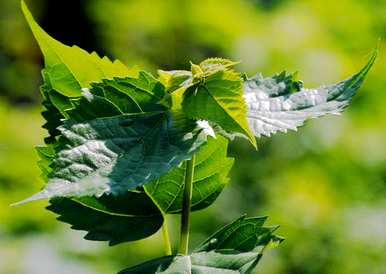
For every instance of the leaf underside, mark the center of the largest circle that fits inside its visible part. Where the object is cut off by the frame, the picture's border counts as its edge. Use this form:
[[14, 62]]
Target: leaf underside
[[273, 107]]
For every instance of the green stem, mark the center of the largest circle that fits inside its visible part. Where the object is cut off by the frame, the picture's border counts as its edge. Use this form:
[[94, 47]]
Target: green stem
[[186, 203], [165, 234]]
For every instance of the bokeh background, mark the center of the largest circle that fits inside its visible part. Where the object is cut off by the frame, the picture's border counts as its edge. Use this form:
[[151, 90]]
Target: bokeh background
[[325, 184]]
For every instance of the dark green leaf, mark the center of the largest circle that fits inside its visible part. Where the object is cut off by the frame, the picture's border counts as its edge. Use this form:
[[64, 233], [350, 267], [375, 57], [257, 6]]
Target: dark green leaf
[[55, 105], [91, 107], [213, 262], [127, 217], [244, 234], [164, 265], [132, 94]]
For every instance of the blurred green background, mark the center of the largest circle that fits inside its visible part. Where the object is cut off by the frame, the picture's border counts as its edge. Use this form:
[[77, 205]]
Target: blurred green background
[[325, 184]]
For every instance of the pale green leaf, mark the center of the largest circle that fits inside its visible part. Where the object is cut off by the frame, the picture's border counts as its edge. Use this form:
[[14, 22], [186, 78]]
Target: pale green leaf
[[272, 107]]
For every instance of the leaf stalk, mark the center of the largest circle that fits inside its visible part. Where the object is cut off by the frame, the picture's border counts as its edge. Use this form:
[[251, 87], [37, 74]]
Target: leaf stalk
[[186, 204], [166, 238]]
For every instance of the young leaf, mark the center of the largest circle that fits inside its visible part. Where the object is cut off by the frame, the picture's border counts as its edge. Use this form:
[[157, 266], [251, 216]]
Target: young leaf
[[175, 79], [231, 250], [72, 68], [116, 154], [210, 177], [217, 97], [212, 65], [272, 106], [129, 217]]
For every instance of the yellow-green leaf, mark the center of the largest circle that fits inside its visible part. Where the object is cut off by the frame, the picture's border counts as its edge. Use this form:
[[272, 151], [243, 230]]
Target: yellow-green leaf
[[72, 68], [218, 98]]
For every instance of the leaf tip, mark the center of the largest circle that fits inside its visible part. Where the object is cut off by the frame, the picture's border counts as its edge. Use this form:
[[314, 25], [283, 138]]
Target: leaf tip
[[252, 140], [371, 61], [38, 196], [26, 11]]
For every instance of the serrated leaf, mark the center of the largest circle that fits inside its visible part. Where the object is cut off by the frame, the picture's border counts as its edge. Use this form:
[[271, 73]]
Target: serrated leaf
[[232, 250], [136, 94], [272, 107], [72, 68], [55, 105], [218, 99], [116, 154], [91, 107], [128, 217], [132, 94], [210, 177], [46, 154]]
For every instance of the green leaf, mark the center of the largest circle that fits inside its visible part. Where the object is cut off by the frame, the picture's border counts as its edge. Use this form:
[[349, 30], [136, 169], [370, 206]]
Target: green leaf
[[116, 154], [46, 154], [55, 105], [273, 107], [164, 265], [210, 177], [217, 97], [91, 107], [128, 217], [72, 68], [235, 249], [135, 94]]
